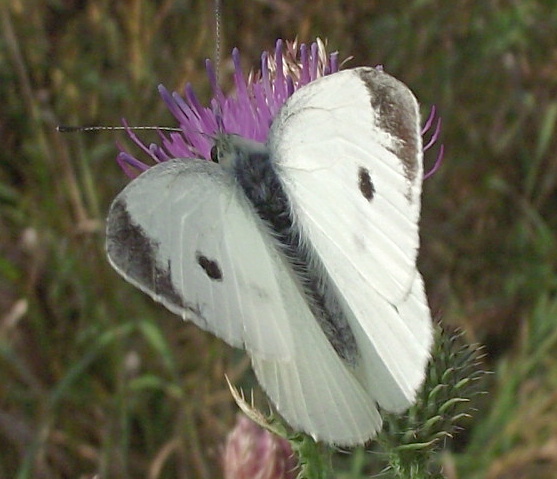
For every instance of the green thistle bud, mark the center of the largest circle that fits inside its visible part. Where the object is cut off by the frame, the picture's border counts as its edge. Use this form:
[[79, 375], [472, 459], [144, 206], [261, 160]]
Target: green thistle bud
[[444, 402]]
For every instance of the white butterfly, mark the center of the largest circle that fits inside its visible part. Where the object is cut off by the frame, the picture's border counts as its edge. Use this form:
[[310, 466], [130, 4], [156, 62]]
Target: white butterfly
[[302, 251]]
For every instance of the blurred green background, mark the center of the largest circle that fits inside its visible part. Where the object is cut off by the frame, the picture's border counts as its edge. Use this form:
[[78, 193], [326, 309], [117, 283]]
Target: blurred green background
[[97, 379]]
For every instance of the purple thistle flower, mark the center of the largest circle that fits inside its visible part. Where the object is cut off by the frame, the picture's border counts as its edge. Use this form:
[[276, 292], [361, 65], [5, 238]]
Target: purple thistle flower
[[433, 140], [249, 113], [252, 452]]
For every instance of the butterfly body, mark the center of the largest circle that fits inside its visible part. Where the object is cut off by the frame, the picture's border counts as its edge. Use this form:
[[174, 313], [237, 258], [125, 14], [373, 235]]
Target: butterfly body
[[302, 251], [254, 169]]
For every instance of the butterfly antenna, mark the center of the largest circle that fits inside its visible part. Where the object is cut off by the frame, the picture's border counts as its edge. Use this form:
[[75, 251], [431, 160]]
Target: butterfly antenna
[[70, 129], [217, 59], [217, 39]]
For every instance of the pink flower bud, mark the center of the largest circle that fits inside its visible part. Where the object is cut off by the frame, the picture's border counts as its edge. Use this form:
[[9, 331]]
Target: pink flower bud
[[252, 452]]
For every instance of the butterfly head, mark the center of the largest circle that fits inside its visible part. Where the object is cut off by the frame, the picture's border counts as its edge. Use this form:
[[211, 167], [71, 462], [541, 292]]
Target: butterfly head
[[230, 150]]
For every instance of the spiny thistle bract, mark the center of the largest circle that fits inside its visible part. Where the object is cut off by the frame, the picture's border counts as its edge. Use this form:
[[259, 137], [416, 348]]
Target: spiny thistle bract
[[445, 401]]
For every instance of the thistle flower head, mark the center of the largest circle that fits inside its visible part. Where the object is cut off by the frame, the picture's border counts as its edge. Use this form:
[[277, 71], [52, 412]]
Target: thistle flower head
[[250, 112]]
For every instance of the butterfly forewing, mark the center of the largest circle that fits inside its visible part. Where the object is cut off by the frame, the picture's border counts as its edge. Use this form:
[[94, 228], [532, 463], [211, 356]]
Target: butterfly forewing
[[348, 150], [184, 234]]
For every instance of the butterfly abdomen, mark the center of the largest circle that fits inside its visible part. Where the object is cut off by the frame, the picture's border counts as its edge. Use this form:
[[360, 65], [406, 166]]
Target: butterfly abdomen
[[255, 173]]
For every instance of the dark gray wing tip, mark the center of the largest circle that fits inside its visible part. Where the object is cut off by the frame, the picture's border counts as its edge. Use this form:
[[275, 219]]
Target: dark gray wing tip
[[397, 113], [136, 256]]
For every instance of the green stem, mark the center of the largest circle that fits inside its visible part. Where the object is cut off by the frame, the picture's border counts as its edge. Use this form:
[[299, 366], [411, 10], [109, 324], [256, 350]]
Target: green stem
[[315, 458]]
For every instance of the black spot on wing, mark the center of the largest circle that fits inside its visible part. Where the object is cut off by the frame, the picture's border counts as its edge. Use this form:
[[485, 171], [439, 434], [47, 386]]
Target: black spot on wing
[[136, 254], [211, 267], [365, 184], [396, 112]]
